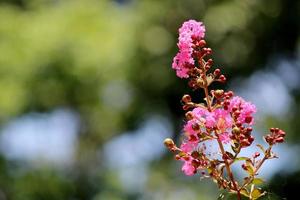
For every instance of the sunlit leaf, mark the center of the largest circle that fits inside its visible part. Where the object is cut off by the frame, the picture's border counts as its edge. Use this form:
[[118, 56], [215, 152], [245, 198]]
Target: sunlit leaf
[[258, 181]]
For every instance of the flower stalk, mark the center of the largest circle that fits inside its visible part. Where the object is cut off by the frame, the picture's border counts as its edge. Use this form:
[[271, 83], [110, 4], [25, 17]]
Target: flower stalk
[[225, 119]]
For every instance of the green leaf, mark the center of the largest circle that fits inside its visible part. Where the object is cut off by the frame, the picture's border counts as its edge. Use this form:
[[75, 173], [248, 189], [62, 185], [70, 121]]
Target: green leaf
[[258, 181], [244, 192], [256, 193], [250, 168], [241, 158]]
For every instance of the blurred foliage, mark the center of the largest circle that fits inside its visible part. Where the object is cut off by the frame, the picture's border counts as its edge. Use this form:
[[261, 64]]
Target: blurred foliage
[[110, 62]]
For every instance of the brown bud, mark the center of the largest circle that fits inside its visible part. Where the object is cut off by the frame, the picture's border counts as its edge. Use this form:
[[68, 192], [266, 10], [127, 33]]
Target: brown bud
[[195, 163], [238, 124], [222, 78], [218, 93], [186, 98], [202, 43], [189, 115], [244, 166], [251, 139], [248, 119], [229, 93], [279, 140], [217, 72], [195, 126], [169, 143], [257, 154], [207, 67], [186, 107], [177, 157], [209, 61], [208, 51], [195, 154], [236, 130]]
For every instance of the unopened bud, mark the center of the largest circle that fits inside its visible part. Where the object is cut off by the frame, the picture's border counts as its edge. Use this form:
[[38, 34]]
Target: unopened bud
[[257, 154], [195, 163], [189, 115], [217, 72], [236, 130], [195, 154], [244, 167], [186, 98], [202, 43], [238, 124], [195, 127], [222, 78], [279, 140], [209, 62], [169, 143], [248, 119], [218, 93], [177, 157]]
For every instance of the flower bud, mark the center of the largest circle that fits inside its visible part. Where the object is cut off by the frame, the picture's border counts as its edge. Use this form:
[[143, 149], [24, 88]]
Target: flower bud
[[195, 154], [177, 157], [248, 119], [244, 166], [256, 154], [209, 62], [217, 72], [201, 43], [186, 98], [279, 140], [222, 78], [195, 163], [189, 115], [169, 143], [218, 93], [195, 126], [236, 130]]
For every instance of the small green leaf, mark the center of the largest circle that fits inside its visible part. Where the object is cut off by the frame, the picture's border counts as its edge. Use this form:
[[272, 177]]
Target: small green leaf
[[244, 192], [250, 168], [258, 181], [256, 193], [241, 158]]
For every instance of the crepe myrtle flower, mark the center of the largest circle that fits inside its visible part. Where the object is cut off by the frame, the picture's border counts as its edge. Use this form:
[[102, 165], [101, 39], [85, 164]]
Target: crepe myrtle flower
[[223, 118]]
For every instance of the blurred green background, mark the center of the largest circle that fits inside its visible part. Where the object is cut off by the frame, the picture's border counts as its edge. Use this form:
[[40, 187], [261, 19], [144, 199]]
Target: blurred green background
[[87, 93]]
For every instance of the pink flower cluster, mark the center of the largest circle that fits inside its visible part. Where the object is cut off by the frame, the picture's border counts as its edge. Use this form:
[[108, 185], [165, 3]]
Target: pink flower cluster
[[238, 113], [223, 119], [189, 32]]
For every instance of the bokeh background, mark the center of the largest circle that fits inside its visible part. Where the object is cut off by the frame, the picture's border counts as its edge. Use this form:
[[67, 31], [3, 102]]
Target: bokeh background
[[87, 93]]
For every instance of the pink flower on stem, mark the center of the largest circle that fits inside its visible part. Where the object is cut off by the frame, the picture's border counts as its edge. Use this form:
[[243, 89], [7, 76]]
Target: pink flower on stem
[[224, 137], [189, 31], [188, 168]]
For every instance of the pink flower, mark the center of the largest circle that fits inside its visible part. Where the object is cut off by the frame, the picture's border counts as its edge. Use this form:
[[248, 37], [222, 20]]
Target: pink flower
[[188, 168], [224, 137], [192, 28], [188, 146], [223, 119], [188, 127], [183, 59], [247, 109]]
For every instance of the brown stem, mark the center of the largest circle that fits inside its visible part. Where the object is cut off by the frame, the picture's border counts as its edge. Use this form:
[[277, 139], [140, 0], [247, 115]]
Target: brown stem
[[202, 63], [267, 155], [230, 174], [227, 165]]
